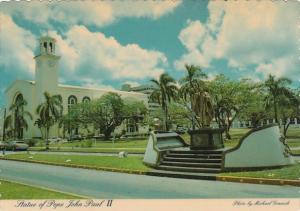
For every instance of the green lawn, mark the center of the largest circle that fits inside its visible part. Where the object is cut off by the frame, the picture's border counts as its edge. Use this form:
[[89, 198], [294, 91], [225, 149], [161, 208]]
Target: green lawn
[[129, 163], [297, 151], [11, 190], [142, 143], [80, 149], [290, 172], [138, 146]]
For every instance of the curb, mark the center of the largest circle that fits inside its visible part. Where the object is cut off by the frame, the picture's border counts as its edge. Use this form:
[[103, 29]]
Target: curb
[[79, 166], [258, 180]]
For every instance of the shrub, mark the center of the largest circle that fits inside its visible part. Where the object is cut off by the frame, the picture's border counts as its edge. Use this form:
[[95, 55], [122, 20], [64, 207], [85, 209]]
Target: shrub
[[30, 142], [89, 143]]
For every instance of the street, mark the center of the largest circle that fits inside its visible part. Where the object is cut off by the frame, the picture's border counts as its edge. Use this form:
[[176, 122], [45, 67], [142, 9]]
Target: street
[[101, 184]]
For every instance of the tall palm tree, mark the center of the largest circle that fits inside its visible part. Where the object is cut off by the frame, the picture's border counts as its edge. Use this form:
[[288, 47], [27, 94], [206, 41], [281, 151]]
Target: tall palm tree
[[165, 91], [17, 121], [49, 113], [276, 88], [191, 84]]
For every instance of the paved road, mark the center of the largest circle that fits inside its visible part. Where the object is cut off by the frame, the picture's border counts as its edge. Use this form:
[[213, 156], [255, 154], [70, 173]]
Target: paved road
[[100, 184]]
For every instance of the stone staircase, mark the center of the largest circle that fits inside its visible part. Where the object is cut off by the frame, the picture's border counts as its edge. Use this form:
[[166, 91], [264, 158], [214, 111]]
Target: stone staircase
[[186, 163]]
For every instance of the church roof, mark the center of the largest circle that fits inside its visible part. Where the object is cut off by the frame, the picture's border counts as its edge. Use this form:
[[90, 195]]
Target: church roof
[[99, 89], [76, 87]]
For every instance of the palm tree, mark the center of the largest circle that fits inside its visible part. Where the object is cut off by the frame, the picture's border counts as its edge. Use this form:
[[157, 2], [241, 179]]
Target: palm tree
[[275, 89], [49, 113], [191, 84], [17, 121], [165, 91]]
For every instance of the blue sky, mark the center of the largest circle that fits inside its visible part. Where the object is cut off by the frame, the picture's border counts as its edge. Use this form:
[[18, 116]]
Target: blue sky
[[108, 43]]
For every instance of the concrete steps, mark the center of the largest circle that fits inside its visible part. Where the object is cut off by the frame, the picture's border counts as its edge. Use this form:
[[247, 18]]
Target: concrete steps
[[192, 163]]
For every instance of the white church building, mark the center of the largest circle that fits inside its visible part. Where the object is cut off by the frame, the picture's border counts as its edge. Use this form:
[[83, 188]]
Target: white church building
[[46, 79]]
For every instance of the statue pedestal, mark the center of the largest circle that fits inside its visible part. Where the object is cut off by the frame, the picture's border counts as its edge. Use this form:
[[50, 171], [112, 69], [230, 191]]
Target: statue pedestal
[[206, 138]]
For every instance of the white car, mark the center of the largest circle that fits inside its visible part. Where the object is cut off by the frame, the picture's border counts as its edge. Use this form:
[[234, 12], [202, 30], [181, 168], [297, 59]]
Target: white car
[[17, 145], [54, 139]]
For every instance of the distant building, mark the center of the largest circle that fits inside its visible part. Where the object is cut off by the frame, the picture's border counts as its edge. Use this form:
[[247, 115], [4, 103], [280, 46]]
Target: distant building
[[46, 79], [144, 89]]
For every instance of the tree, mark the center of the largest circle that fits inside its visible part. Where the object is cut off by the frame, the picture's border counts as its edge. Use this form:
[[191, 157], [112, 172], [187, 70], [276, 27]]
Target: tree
[[135, 112], [17, 121], [191, 84], [275, 89], [49, 113], [8, 125], [255, 112], [106, 113], [179, 114], [288, 107], [164, 92], [76, 117], [230, 99]]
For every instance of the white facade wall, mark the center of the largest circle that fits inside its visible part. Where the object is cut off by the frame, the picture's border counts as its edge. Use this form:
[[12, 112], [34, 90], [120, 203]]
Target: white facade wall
[[46, 75]]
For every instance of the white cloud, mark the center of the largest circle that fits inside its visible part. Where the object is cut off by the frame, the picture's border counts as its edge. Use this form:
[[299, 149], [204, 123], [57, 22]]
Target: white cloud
[[16, 48], [92, 54], [98, 13], [245, 34]]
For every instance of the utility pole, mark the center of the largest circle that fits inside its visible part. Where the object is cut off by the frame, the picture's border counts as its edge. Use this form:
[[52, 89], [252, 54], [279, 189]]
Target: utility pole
[[4, 117]]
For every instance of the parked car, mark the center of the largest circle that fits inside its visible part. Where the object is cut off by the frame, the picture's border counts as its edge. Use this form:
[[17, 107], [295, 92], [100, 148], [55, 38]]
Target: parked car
[[2, 145], [54, 139], [180, 130], [16, 145], [75, 137]]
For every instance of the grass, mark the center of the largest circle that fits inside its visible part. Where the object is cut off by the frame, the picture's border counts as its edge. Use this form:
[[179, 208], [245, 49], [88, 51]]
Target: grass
[[290, 173], [142, 143], [79, 149], [296, 151], [138, 146], [128, 163], [11, 190]]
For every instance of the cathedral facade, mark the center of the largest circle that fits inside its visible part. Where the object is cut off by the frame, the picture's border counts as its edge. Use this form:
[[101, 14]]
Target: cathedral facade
[[46, 79]]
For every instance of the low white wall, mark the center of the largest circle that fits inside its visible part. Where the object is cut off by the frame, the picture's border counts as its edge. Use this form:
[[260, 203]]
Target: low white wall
[[260, 149], [151, 155]]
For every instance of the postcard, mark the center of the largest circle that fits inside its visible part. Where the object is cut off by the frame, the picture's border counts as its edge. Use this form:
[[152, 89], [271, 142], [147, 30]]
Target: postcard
[[149, 105]]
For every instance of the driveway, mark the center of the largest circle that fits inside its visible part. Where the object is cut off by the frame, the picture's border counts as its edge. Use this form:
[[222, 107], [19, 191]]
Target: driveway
[[101, 184]]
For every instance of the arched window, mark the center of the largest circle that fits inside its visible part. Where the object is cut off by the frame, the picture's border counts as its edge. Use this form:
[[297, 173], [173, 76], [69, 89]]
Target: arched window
[[45, 46], [51, 47], [86, 99], [71, 101], [19, 97]]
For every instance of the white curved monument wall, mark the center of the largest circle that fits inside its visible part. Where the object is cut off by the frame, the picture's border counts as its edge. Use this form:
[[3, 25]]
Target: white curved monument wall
[[261, 148]]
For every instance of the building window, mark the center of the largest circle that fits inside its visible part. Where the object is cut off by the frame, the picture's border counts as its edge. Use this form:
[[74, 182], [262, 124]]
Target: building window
[[86, 99], [51, 47], [45, 46], [71, 101]]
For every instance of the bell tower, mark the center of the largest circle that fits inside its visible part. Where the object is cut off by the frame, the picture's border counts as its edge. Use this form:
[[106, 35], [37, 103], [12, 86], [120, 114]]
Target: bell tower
[[46, 68]]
